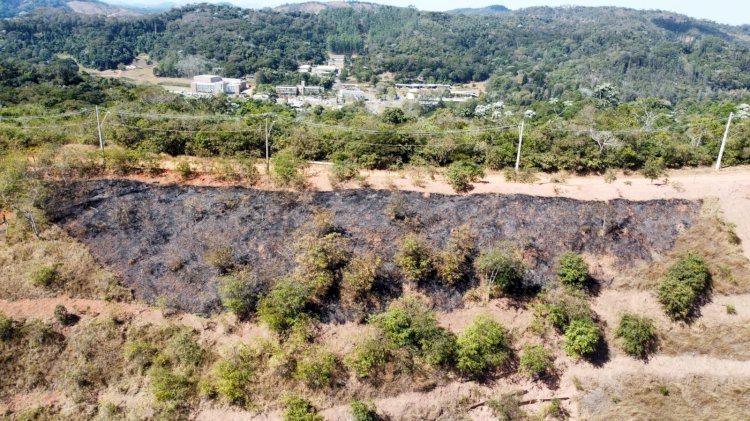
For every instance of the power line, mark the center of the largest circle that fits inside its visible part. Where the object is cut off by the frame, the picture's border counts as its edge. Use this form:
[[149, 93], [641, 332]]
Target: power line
[[44, 116]]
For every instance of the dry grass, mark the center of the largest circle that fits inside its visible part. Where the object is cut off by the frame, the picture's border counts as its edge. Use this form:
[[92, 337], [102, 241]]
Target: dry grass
[[722, 341], [712, 237], [79, 274], [692, 398]]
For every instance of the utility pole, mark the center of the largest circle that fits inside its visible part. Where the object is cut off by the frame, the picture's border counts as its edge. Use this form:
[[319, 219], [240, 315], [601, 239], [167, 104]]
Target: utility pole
[[99, 129], [724, 142], [268, 145], [520, 142]]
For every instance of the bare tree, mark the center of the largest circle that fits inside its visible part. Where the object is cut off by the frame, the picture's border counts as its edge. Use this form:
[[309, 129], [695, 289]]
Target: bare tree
[[603, 139], [20, 190]]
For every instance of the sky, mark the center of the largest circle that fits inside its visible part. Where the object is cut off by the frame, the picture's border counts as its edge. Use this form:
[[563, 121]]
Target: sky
[[734, 12]]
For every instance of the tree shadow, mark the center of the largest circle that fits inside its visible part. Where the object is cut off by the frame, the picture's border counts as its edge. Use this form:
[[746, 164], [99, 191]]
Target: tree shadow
[[601, 355]]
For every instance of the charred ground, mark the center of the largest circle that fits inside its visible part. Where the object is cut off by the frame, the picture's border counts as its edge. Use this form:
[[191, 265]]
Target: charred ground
[[157, 237]]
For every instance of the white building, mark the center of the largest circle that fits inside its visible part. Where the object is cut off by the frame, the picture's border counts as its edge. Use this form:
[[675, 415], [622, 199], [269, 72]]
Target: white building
[[351, 95], [212, 84]]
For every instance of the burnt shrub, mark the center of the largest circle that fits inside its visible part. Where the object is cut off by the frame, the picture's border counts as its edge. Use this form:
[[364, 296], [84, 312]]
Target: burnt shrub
[[415, 258]]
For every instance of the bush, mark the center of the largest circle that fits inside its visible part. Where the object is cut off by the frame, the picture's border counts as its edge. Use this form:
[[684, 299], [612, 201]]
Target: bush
[[287, 170], [638, 335], [167, 386], [536, 361], [342, 171], [316, 369], [409, 324], [454, 263], [299, 409], [483, 346], [284, 306], [562, 306], [572, 270], [501, 270], [506, 408], [363, 411], [610, 176], [220, 258], [366, 357], [239, 293], [415, 259], [45, 276], [63, 317], [582, 338], [6, 327], [321, 259], [184, 170], [653, 168], [360, 275], [235, 376], [685, 284], [461, 173]]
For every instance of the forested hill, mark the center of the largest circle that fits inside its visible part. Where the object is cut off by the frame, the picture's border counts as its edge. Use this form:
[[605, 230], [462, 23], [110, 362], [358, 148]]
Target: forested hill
[[529, 54]]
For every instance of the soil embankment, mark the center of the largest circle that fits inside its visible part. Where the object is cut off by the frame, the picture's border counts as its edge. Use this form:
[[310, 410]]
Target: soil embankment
[[157, 238]]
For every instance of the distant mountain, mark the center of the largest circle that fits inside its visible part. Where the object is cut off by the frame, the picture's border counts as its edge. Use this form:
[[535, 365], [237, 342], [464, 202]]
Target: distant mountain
[[317, 6], [495, 9], [13, 8]]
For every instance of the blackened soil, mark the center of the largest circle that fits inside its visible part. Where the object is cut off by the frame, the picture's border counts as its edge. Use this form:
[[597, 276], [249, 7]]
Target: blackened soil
[[156, 238]]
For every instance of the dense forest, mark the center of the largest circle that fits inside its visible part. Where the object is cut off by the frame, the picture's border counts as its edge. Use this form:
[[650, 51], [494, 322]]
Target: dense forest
[[527, 55]]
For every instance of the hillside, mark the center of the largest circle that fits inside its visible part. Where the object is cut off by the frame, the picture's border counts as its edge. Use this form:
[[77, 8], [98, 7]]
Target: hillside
[[12, 8], [526, 55], [489, 10]]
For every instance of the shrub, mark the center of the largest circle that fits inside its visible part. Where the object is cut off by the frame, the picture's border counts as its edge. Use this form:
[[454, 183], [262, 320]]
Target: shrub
[[321, 258], [342, 171], [653, 168], [316, 369], [167, 386], [284, 306], [582, 338], [501, 270], [454, 263], [299, 409], [685, 284], [363, 411], [677, 298], [248, 171], [287, 169], [366, 357], [6, 327], [638, 335], [730, 308], [483, 346], [45, 276], [572, 270], [235, 376], [415, 259], [461, 173], [610, 176], [63, 317], [561, 306], [220, 258], [239, 292], [360, 275], [507, 407], [408, 323], [536, 361], [184, 170]]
